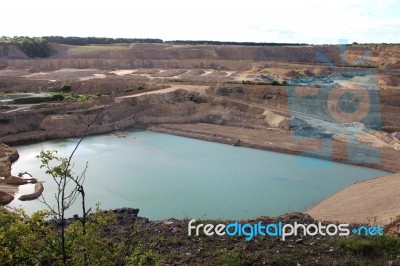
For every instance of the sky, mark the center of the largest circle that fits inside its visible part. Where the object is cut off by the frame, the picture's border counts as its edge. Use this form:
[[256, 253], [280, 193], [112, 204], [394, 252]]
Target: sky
[[306, 21]]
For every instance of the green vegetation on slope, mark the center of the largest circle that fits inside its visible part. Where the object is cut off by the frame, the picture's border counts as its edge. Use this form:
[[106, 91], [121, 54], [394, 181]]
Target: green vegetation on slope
[[33, 100], [119, 238], [32, 47], [97, 40], [56, 97], [34, 240]]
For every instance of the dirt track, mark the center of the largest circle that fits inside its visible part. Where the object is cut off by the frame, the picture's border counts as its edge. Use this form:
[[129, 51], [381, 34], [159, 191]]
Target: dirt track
[[375, 201]]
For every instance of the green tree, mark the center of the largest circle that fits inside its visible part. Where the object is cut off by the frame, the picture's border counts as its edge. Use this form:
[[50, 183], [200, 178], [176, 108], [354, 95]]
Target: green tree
[[69, 187], [34, 47], [65, 87], [45, 238]]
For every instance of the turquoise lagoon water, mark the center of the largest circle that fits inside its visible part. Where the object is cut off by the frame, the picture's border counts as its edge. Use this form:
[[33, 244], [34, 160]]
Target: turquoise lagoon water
[[168, 176]]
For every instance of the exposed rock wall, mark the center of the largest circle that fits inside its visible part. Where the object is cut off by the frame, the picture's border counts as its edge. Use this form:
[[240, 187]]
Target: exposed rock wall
[[175, 106], [7, 156], [11, 51], [199, 56]]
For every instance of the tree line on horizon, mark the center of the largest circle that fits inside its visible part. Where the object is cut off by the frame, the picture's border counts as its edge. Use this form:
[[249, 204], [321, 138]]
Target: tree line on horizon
[[102, 40], [31, 46], [234, 43], [43, 41], [39, 46], [98, 40]]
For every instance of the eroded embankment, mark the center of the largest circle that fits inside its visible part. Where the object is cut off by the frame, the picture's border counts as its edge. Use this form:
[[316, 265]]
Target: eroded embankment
[[8, 185], [374, 201]]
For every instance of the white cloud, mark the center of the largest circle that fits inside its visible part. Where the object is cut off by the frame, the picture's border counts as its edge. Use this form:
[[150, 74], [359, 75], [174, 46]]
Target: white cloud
[[308, 21]]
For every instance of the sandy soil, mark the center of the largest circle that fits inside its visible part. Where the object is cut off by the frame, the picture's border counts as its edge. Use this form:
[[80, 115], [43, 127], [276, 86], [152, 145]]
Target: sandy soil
[[13, 73], [123, 72], [375, 201], [172, 87], [66, 74]]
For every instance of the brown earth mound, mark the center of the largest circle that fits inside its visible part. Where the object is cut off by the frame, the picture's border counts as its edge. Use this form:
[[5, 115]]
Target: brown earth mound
[[321, 71], [218, 73], [374, 201], [387, 80], [170, 73], [195, 72], [308, 73], [292, 74], [147, 71], [5, 198]]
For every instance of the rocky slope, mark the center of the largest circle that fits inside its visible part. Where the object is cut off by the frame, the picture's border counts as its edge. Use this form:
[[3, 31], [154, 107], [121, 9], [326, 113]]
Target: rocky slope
[[8, 155], [198, 56], [11, 51]]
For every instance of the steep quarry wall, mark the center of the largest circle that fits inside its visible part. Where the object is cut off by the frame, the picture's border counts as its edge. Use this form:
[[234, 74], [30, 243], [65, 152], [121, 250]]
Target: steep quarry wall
[[214, 52], [11, 51], [67, 120], [196, 56], [7, 156], [177, 106], [383, 105], [38, 65]]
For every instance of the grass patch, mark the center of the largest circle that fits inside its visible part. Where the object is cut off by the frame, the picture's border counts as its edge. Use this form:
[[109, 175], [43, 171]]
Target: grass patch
[[56, 97], [144, 257], [233, 258], [34, 100], [386, 245]]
